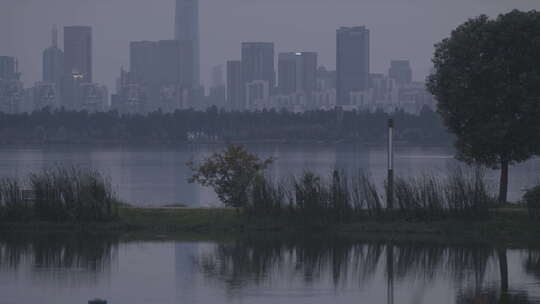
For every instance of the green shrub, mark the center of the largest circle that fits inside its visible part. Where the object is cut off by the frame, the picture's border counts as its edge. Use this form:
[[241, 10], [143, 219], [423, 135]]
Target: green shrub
[[230, 173]]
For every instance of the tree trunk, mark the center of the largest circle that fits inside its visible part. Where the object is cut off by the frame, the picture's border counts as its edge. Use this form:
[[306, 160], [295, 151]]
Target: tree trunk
[[503, 186]]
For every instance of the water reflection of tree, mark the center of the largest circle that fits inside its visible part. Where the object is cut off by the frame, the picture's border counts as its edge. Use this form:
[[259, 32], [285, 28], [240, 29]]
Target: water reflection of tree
[[57, 250], [255, 260], [425, 261], [532, 263], [493, 296]]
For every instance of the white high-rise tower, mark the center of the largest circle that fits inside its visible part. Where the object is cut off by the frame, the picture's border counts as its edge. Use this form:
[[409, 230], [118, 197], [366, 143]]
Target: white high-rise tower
[[187, 31]]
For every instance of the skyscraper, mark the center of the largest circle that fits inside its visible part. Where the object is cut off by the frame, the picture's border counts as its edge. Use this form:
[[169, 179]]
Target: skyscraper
[[142, 56], [352, 62], [53, 62], [234, 85], [297, 72], [217, 76], [218, 91], [77, 64], [258, 62], [187, 31], [8, 68], [11, 88], [168, 62], [162, 67], [78, 52], [400, 71]]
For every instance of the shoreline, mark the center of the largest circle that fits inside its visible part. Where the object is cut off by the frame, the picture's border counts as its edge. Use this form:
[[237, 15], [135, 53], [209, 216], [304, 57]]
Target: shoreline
[[508, 226], [120, 144]]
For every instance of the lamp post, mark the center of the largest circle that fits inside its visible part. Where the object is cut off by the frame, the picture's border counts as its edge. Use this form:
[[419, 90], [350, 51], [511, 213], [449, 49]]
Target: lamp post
[[390, 190]]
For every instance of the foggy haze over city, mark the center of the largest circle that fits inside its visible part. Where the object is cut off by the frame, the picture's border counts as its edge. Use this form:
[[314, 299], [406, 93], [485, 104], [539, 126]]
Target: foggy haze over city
[[399, 29], [269, 151]]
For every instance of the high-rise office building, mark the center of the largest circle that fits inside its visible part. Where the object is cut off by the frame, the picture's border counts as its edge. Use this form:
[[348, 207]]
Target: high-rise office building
[[53, 62], [163, 68], [217, 76], [235, 85], [187, 31], [400, 71], [142, 57], [326, 80], [8, 68], [44, 94], [297, 72], [78, 52], [258, 62], [352, 62], [11, 88], [218, 91], [168, 63], [161, 62]]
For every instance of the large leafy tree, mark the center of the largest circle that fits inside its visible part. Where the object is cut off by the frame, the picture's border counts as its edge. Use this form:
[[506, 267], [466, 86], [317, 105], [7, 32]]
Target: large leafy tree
[[486, 79]]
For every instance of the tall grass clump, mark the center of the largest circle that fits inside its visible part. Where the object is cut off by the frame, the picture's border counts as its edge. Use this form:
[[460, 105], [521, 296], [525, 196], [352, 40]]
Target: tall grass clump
[[12, 205], [365, 197], [467, 194], [58, 195], [73, 194], [461, 194], [315, 200], [266, 198], [310, 198], [420, 197]]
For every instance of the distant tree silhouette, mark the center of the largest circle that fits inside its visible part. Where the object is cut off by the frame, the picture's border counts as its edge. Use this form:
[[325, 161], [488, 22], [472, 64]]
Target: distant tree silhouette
[[486, 80], [61, 126]]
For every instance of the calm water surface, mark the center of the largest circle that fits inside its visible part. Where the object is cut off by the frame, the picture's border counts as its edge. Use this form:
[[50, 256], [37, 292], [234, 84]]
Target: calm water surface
[[70, 269], [158, 175]]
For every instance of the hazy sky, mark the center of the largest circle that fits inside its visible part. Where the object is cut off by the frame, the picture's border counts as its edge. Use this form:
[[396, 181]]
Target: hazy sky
[[400, 29]]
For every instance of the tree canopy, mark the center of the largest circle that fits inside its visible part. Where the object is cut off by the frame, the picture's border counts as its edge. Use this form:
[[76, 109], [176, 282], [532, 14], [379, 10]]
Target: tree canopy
[[486, 79], [230, 173]]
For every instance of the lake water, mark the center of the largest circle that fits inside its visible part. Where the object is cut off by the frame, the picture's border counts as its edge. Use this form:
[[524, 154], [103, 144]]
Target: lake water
[[71, 269], [158, 175]]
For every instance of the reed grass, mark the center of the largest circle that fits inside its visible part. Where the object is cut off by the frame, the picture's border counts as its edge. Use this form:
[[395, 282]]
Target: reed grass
[[59, 194], [341, 198]]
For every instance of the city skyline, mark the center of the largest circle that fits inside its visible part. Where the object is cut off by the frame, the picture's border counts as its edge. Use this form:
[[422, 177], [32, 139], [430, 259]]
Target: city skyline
[[401, 38]]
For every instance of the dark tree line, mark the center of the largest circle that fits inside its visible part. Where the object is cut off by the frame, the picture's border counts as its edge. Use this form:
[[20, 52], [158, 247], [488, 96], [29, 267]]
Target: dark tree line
[[50, 126]]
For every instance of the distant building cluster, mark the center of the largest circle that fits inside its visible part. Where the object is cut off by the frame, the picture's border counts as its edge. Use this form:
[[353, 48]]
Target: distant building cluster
[[66, 82], [165, 75], [303, 85]]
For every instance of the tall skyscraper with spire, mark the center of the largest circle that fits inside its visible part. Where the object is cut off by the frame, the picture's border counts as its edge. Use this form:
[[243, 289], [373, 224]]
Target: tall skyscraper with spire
[[53, 61], [187, 31]]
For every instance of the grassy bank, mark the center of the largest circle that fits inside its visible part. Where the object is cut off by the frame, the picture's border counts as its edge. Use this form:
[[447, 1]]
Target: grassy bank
[[458, 205], [505, 224]]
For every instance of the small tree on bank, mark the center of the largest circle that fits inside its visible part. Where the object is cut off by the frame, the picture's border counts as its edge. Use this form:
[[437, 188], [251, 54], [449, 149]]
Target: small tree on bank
[[487, 82], [230, 173]]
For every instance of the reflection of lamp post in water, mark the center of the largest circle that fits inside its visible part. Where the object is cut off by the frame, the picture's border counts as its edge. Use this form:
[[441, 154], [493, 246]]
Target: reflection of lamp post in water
[[390, 274]]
